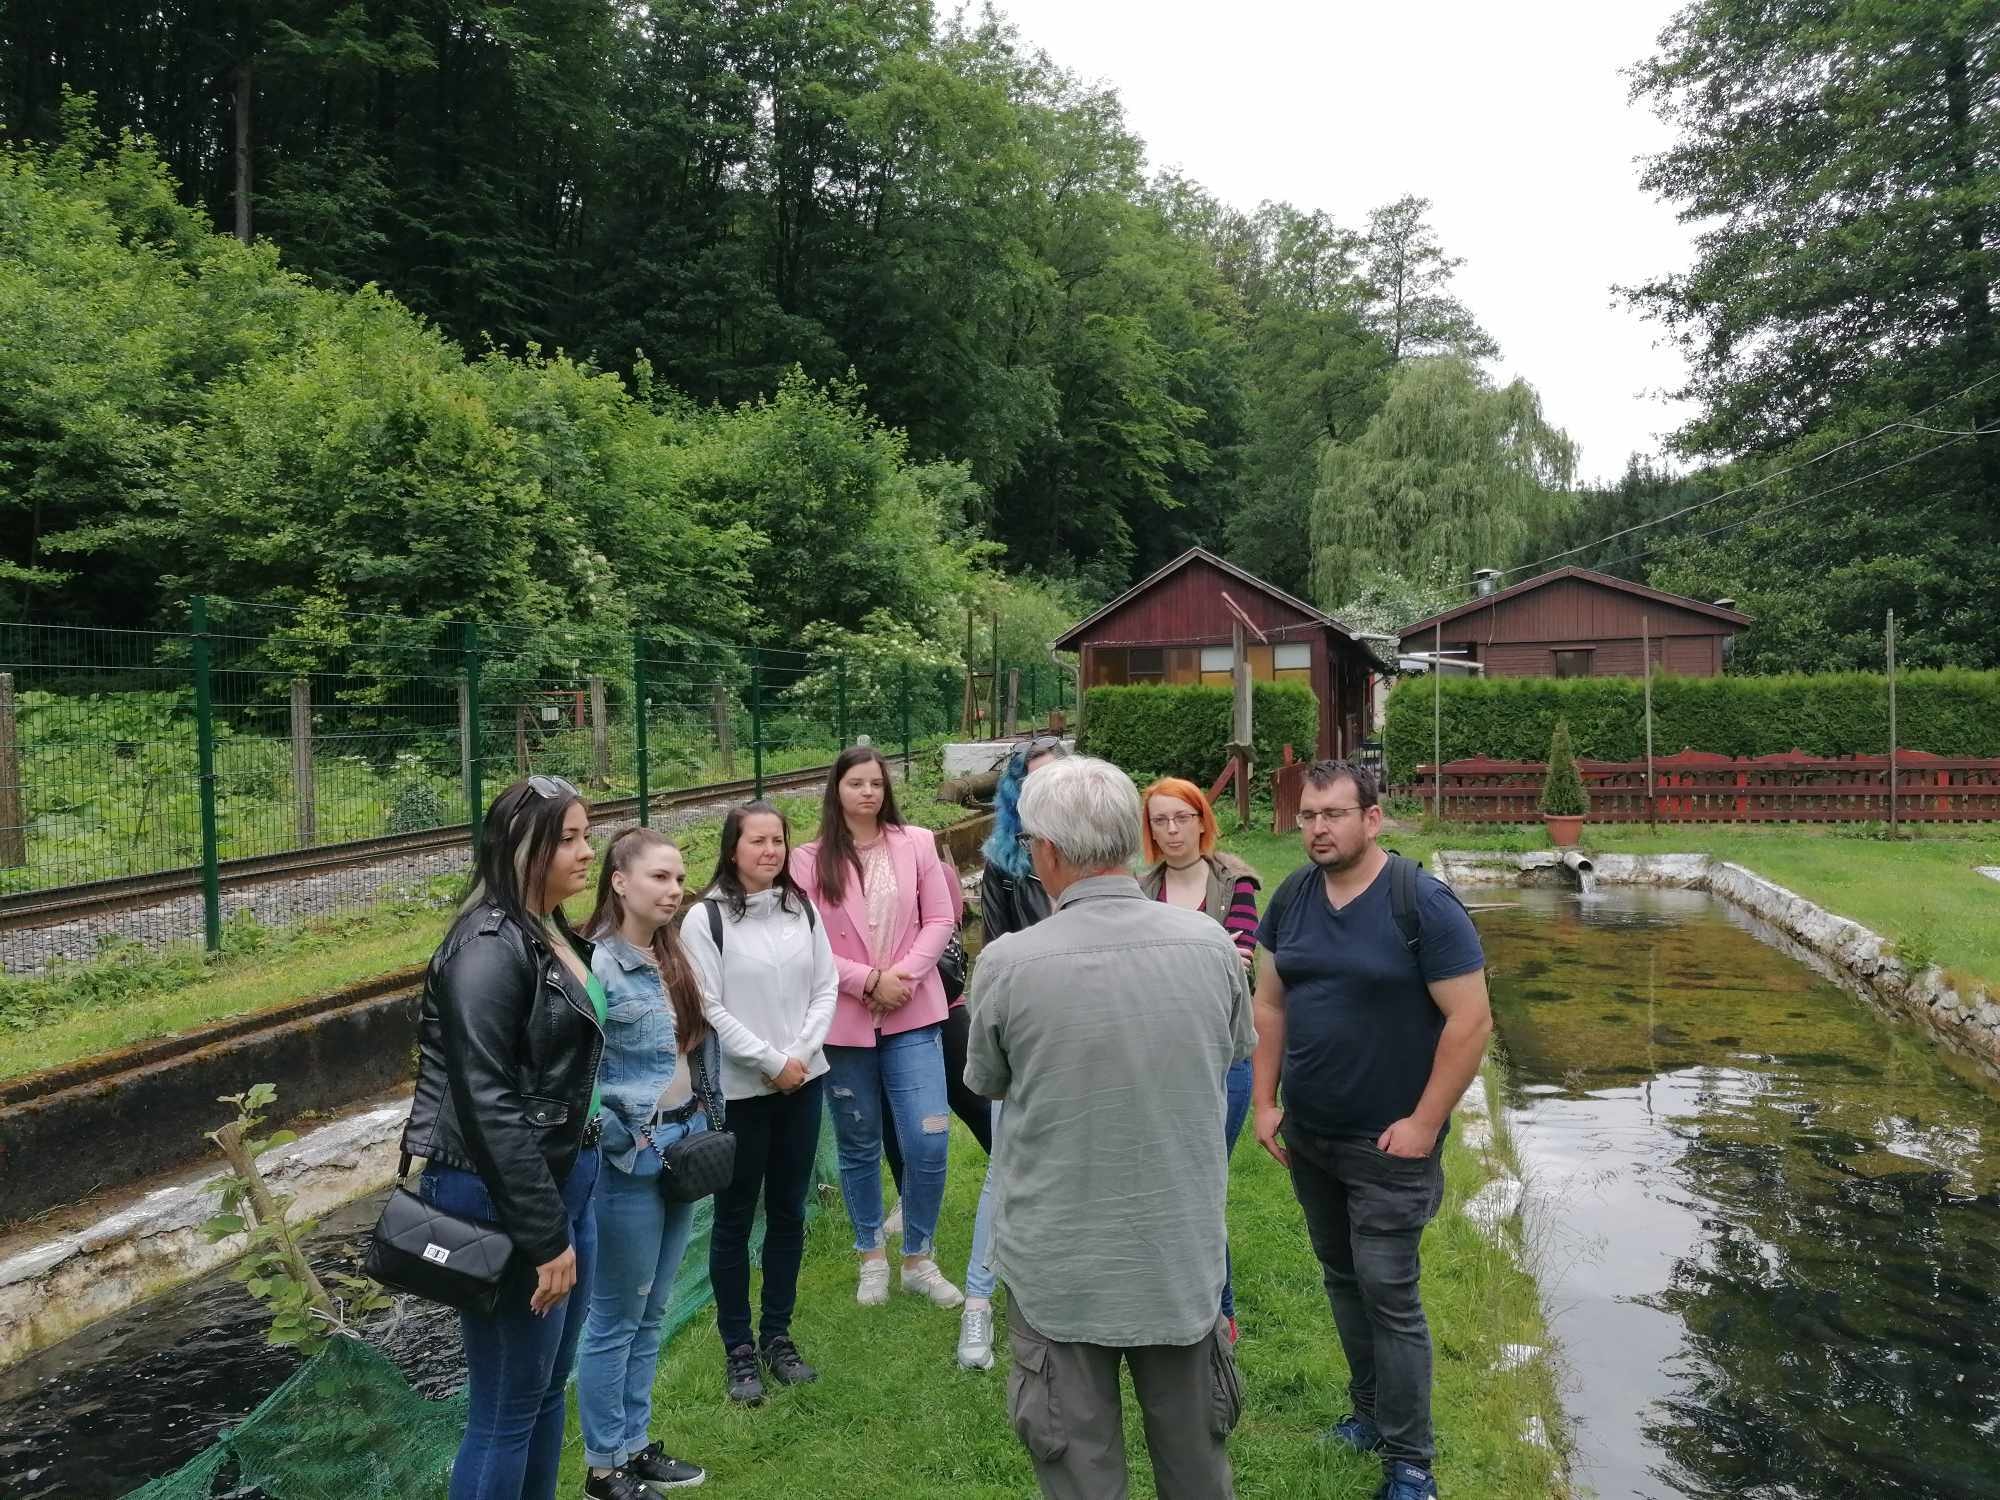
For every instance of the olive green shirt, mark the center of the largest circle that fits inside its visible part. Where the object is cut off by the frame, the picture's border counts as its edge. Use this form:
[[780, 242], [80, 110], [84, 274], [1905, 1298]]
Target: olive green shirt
[[1107, 1027]]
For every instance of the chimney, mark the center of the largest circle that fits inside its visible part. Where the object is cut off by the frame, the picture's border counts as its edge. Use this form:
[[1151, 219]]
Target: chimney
[[1484, 581]]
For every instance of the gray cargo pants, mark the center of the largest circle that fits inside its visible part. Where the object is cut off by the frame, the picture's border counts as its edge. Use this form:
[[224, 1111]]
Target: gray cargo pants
[[1063, 1401]]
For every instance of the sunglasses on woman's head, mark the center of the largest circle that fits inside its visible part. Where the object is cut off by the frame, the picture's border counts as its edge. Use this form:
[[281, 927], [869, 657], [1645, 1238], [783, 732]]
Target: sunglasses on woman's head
[[552, 786]]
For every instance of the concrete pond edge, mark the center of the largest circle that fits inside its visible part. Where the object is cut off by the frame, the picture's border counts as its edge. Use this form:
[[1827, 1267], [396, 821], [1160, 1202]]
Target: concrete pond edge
[[1835, 947]]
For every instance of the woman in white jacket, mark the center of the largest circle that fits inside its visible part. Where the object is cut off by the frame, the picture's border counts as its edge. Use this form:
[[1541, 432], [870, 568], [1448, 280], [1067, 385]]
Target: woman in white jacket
[[769, 986]]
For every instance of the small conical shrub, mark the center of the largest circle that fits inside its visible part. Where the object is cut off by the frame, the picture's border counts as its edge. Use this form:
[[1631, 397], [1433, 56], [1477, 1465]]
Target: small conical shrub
[[1562, 785]]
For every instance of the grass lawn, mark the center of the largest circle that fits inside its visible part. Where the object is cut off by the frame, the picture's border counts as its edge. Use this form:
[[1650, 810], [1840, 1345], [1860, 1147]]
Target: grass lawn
[[893, 1415]]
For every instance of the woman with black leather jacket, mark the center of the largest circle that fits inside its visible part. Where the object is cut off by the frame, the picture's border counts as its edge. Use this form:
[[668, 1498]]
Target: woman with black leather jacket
[[505, 1117]]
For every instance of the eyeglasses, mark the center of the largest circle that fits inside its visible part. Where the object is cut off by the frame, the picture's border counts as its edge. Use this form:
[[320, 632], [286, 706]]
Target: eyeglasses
[[1174, 820], [1024, 839], [552, 786], [1331, 816]]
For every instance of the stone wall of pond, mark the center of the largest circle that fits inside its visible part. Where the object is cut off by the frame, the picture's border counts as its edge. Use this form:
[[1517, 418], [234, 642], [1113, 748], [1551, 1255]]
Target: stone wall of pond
[[1836, 946]]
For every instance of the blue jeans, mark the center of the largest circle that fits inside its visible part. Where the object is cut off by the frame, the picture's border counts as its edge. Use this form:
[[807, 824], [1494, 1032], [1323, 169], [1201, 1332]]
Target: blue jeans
[[1236, 1083], [640, 1241], [517, 1363], [907, 1068], [979, 1278]]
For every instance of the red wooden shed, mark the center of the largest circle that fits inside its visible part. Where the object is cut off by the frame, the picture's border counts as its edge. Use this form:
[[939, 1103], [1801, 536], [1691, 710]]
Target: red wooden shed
[[1175, 627], [1578, 623]]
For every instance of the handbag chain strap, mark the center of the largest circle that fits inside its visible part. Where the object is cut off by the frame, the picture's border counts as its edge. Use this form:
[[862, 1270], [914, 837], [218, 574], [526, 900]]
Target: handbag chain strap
[[702, 1090]]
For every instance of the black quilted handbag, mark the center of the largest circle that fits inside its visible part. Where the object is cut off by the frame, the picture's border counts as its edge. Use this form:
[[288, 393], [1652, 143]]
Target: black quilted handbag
[[420, 1249], [696, 1165]]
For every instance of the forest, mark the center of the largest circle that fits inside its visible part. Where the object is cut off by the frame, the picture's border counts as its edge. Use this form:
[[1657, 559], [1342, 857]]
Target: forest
[[796, 323]]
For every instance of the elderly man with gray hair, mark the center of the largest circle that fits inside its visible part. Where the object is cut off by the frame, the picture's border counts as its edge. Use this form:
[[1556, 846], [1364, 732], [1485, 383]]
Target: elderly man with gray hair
[[1107, 1027]]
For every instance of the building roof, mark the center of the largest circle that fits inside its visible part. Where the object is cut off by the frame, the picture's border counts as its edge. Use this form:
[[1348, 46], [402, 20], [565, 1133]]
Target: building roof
[[1067, 641], [1587, 575]]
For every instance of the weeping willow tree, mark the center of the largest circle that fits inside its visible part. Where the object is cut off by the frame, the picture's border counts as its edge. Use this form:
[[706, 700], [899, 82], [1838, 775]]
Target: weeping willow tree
[[1450, 475]]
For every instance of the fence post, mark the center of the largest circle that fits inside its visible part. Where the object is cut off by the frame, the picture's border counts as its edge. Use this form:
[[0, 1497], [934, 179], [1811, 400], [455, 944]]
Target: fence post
[[840, 677], [600, 734], [757, 722], [475, 768], [641, 705], [304, 791], [1013, 700], [13, 796], [1892, 723], [906, 721], [1437, 724], [1646, 651], [725, 729], [204, 742]]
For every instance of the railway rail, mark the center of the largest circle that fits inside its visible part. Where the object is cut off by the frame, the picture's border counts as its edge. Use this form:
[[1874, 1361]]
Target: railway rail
[[26, 910]]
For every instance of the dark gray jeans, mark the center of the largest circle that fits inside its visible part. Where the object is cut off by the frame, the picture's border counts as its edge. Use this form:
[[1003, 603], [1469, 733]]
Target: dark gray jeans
[[1366, 1212], [1063, 1401]]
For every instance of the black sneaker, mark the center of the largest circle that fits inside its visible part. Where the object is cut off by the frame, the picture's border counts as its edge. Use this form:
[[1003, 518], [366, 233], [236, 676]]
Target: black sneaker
[[662, 1471], [781, 1358], [740, 1375], [617, 1485]]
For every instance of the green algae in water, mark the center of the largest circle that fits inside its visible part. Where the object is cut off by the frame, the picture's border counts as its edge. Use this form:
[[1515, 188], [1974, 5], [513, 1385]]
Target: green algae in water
[[1774, 1214]]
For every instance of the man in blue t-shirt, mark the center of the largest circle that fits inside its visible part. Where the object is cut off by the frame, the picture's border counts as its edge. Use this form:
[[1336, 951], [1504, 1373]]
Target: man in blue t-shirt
[[1378, 1020]]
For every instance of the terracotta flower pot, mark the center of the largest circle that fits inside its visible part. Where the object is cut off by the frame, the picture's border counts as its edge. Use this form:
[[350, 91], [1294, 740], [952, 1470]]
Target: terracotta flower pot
[[1564, 830]]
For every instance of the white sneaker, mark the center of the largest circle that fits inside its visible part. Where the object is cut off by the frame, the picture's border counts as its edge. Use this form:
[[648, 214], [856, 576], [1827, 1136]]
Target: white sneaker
[[894, 1223], [924, 1279], [975, 1338], [872, 1289]]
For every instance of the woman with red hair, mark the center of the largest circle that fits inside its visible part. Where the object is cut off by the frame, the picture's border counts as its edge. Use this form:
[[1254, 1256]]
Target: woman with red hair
[[1185, 868]]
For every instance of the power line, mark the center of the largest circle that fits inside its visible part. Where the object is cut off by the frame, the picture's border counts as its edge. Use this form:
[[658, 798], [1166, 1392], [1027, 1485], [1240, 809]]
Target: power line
[[1777, 510], [1754, 484]]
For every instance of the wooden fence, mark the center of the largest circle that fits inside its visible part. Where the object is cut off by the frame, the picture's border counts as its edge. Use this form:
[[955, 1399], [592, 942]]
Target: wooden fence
[[1697, 787]]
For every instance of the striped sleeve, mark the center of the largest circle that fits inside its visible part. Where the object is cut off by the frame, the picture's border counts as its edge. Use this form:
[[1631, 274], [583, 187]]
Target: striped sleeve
[[1241, 922]]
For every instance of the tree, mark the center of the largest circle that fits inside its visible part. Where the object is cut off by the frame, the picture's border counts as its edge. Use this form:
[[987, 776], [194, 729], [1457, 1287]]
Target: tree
[[1409, 279], [1845, 164], [1450, 473]]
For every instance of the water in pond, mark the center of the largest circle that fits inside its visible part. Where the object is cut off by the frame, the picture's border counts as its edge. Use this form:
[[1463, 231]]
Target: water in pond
[[138, 1395], [1771, 1216]]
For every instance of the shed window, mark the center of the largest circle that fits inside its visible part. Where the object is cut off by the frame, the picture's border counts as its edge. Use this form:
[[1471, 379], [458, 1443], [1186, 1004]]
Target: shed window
[[1573, 663], [1293, 655], [1216, 659], [1145, 664]]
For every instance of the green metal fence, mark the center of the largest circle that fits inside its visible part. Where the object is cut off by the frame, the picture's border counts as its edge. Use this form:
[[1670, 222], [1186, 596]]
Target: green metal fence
[[250, 733]]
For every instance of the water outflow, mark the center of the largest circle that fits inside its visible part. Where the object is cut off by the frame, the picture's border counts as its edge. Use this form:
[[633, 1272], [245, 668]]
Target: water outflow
[[1581, 870], [1769, 1215]]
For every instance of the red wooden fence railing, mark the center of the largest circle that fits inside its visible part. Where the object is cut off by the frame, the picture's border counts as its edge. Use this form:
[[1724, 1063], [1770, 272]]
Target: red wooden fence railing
[[1697, 787]]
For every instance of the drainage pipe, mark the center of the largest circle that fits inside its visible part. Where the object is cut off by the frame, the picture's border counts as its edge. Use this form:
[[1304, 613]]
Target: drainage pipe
[[1578, 864]]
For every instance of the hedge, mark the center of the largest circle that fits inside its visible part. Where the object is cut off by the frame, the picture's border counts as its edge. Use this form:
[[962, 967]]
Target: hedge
[[1184, 731], [1951, 712]]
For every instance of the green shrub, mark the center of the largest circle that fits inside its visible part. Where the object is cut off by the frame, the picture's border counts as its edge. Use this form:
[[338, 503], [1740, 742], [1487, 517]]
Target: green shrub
[[1562, 784], [1951, 712], [1184, 731], [417, 805]]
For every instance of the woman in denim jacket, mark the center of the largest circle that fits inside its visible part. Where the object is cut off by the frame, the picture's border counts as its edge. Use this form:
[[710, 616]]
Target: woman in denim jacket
[[661, 1075]]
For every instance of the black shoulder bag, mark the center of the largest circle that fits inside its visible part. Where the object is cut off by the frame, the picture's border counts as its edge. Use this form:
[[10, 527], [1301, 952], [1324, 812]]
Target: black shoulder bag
[[696, 1165], [420, 1249]]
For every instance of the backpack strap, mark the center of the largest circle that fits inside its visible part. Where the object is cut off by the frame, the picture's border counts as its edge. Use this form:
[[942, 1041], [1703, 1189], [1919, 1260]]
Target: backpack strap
[[714, 924], [1403, 899]]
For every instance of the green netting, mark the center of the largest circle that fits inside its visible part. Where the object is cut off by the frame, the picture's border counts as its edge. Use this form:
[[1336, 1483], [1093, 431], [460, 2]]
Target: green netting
[[347, 1426]]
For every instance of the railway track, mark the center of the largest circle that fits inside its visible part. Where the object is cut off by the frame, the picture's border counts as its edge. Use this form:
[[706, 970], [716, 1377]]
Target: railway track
[[30, 909]]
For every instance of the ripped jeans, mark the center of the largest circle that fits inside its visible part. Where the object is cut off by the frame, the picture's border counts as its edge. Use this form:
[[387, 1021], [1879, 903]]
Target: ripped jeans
[[640, 1241], [906, 1068]]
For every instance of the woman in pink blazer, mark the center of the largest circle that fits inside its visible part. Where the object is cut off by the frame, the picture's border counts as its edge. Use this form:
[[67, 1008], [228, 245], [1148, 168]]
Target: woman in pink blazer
[[888, 906]]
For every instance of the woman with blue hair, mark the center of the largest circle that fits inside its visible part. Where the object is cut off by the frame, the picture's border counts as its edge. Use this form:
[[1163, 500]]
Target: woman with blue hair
[[1010, 898]]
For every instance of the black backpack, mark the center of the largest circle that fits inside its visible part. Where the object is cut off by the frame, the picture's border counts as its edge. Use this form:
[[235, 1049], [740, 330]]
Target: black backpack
[[1402, 895]]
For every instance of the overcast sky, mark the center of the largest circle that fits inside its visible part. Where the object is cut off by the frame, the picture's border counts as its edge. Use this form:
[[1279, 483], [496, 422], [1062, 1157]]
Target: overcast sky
[[1512, 119]]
